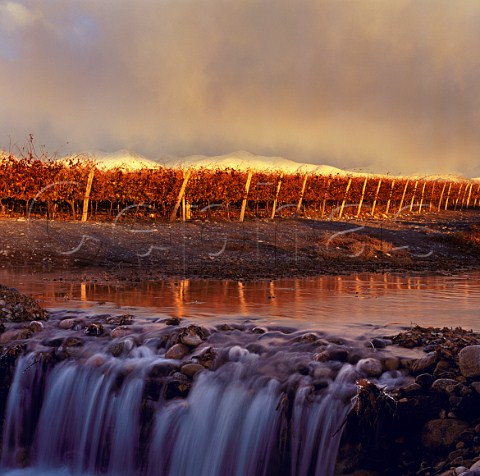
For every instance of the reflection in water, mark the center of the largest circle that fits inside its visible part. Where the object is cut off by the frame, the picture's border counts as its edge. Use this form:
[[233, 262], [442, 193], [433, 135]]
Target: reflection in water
[[334, 302]]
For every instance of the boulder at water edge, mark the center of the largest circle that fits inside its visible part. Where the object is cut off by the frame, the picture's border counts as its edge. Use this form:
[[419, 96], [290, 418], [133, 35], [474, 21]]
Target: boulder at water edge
[[469, 361], [442, 434], [17, 307]]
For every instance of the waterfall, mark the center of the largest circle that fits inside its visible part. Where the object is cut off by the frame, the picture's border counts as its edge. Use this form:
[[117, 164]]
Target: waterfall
[[97, 417]]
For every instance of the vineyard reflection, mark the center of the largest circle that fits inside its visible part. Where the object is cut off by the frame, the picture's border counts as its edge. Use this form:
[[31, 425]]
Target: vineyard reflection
[[339, 303]]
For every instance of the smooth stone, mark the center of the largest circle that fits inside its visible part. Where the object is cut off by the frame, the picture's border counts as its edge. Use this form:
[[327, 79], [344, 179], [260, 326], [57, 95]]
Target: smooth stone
[[190, 370], [121, 331], [66, 324], [73, 342], [14, 334], [442, 434], [370, 367], [475, 466], [444, 385], [391, 363], [425, 380], [476, 386], [469, 361], [192, 336], [36, 326], [177, 352], [94, 329], [424, 364]]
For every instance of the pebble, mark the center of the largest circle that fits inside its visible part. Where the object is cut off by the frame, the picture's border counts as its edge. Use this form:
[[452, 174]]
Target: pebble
[[190, 370], [36, 326], [121, 331], [66, 324], [177, 352], [369, 367], [469, 361]]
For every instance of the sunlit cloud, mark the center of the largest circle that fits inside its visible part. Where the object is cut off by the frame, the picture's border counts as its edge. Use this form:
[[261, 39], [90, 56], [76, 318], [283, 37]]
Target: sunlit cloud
[[389, 86]]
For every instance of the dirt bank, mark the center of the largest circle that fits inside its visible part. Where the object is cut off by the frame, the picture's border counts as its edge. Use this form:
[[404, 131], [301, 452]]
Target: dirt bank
[[133, 251]]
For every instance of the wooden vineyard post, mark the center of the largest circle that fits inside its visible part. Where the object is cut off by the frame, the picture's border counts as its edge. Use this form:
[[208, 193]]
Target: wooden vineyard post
[[277, 193], [476, 197], [431, 196], [390, 197], [403, 196], [361, 198], [469, 196], [448, 195], [245, 195], [345, 197], [413, 195], [441, 197], [324, 201], [458, 196], [422, 197], [464, 196], [86, 197], [376, 197], [186, 177], [302, 192]]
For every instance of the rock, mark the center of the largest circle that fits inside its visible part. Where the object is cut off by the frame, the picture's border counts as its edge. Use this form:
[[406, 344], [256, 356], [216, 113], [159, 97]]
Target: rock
[[460, 470], [206, 357], [2, 327], [172, 321], [73, 342], [15, 334], [178, 385], [94, 329], [425, 380], [123, 320], [121, 331], [444, 385], [377, 343], [53, 342], [177, 352], [469, 361], [36, 326], [66, 324], [391, 363], [18, 307], [440, 435], [192, 336], [369, 367], [475, 466], [116, 349], [412, 389], [190, 370], [336, 352], [163, 369], [476, 386], [423, 365], [444, 369]]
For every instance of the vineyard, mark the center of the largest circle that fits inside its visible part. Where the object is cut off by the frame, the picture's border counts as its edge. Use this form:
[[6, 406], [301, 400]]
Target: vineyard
[[76, 189]]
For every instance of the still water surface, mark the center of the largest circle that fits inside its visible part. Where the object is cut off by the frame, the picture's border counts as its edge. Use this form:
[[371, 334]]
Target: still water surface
[[349, 304]]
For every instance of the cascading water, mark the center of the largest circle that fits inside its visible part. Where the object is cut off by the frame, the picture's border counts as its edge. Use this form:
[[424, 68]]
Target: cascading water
[[99, 416], [270, 405]]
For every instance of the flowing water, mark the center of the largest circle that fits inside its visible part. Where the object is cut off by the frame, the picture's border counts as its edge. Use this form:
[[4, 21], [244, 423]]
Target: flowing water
[[270, 408]]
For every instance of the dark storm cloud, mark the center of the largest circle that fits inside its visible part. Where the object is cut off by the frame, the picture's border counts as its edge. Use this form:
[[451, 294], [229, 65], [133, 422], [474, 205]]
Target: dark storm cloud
[[390, 85]]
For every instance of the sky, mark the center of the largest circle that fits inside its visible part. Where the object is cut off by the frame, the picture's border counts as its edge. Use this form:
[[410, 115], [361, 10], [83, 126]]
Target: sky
[[378, 85]]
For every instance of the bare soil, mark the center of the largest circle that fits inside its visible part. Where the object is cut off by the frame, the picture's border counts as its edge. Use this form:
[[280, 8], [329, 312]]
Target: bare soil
[[446, 242]]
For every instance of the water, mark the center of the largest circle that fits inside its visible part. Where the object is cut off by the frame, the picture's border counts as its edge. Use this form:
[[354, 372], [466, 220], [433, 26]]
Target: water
[[341, 304], [276, 411]]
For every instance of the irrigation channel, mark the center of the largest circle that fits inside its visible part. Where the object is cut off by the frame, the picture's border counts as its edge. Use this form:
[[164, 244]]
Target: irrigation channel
[[208, 378]]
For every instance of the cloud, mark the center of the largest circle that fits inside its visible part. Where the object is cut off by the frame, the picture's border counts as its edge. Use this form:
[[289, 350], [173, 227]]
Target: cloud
[[389, 85]]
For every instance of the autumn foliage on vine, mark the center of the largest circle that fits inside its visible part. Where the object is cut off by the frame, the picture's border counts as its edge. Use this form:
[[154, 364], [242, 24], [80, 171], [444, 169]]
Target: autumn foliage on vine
[[61, 184]]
